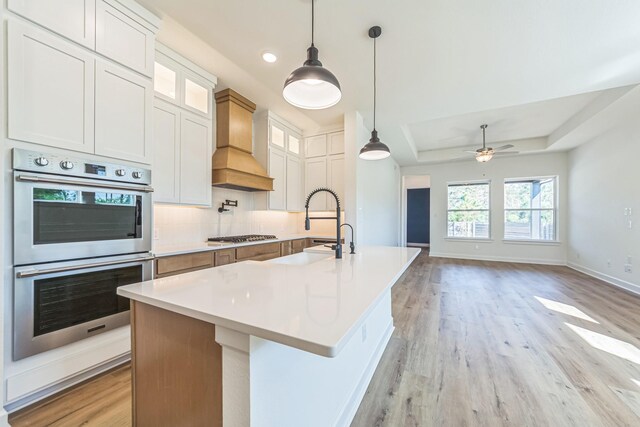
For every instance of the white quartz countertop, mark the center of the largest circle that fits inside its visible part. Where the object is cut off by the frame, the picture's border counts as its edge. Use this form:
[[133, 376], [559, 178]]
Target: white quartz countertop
[[314, 307], [185, 248]]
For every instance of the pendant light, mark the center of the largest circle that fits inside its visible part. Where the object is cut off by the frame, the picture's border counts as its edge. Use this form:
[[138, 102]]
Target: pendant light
[[374, 149], [312, 86]]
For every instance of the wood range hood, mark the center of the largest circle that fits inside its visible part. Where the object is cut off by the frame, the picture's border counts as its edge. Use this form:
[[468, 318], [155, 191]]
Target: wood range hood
[[234, 166]]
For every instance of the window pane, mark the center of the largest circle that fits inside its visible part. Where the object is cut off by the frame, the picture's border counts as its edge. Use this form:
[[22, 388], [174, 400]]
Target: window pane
[[472, 196], [164, 80], [547, 197], [472, 224], [529, 224], [517, 195], [196, 96], [534, 193]]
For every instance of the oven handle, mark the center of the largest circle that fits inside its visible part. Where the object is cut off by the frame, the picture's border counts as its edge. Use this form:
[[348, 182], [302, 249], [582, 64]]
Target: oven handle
[[32, 178], [34, 272]]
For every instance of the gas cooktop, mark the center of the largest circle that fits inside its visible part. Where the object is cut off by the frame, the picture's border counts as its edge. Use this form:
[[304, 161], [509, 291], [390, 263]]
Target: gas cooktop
[[230, 240]]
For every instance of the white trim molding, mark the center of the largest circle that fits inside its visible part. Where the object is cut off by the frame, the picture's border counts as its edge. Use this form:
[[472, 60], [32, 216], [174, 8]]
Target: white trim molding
[[623, 284], [540, 261]]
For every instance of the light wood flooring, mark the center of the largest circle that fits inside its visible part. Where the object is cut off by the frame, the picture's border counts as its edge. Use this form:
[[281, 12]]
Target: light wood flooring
[[474, 345]]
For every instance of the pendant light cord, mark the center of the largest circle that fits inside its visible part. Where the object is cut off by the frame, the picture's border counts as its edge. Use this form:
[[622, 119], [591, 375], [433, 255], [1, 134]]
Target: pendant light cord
[[374, 84], [313, 20]]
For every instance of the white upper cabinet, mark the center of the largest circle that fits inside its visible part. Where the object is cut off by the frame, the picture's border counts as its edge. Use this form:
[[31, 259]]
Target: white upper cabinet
[[278, 171], [166, 153], [335, 179], [195, 160], [124, 103], [124, 39], [295, 184], [335, 141], [278, 149], [50, 89], [181, 82], [73, 19], [316, 177], [316, 146]]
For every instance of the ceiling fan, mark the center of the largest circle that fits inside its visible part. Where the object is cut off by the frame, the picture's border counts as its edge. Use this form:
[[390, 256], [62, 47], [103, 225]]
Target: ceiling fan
[[485, 153]]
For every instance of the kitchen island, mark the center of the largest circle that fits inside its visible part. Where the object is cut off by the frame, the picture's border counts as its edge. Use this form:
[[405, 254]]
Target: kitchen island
[[287, 342]]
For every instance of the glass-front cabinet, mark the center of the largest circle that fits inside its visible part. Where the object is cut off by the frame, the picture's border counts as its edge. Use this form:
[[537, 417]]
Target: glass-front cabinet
[[183, 83]]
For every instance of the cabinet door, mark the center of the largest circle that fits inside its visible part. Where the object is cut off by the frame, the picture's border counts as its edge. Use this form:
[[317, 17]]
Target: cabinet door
[[124, 40], [73, 19], [195, 160], [196, 94], [316, 146], [316, 177], [336, 143], [50, 90], [124, 103], [224, 257], [293, 144], [335, 179], [277, 135], [166, 153], [278, 171], [166, 78], [294, 184]]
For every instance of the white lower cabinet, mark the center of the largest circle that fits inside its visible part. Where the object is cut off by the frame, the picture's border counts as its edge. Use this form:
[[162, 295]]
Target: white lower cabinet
[[182, 156], [50, 87], [124, 102]]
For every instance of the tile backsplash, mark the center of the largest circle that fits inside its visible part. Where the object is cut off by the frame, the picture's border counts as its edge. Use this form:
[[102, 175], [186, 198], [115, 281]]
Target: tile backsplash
[[176, 225]]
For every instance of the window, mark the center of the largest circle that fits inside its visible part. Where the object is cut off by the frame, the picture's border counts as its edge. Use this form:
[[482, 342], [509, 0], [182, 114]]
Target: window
[[530, 209], [468, 210]]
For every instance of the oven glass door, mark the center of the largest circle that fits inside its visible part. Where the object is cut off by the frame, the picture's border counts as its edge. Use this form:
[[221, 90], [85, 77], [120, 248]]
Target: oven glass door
[[83, 215], [58, 303], [57, 219]]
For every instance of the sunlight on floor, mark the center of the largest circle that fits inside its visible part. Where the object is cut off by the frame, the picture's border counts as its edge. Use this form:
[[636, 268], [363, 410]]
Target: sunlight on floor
[[565, 308], [610, 345], [636, 381]]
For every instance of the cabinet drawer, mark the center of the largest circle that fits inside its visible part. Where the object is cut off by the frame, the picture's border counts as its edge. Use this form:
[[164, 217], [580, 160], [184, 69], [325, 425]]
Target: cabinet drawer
[[225, 256], [258, 252], [167, 266], [285, 248]]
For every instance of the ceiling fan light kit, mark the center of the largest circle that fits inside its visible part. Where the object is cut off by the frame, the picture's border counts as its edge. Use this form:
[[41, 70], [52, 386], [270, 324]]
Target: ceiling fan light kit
[[374, 149], [312, 86]]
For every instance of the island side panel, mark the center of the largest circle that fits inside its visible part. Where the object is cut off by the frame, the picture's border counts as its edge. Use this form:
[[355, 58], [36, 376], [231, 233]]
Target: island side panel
[[176, 369]]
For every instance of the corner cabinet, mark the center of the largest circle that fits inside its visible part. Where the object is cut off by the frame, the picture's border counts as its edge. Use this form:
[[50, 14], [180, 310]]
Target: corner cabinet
[[182, 131], [278, 148], [325, 167]]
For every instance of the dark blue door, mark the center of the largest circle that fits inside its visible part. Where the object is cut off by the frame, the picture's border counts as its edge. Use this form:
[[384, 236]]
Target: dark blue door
[[418, 215]]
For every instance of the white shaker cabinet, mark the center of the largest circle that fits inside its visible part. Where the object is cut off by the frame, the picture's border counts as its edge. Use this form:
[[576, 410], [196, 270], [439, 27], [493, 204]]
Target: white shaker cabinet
[[124, 102], [123, 39], [73, 19], [166, 153], [50, 89], [195, 159], [335, 179], [316, 177], [279, 150]]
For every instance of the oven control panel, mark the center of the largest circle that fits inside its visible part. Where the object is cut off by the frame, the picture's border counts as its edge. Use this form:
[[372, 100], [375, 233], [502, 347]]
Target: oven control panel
[[70, 165]]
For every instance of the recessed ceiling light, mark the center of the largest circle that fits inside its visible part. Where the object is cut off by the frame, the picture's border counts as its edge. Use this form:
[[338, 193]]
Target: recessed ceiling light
[[269, 57]]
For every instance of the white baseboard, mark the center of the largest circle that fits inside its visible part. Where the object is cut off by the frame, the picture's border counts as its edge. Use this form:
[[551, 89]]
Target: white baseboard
[[631, 287], [4, 418], [350, 409], [541, 261]]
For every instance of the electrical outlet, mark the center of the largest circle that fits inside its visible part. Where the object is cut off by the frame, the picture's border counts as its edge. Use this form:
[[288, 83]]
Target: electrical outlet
[[630, 224], [477, 246], [629, 259], [627, 268], [156, 234]]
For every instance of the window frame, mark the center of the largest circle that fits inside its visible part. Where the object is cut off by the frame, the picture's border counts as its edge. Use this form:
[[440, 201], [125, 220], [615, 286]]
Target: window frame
[[505, 210], [488, 210]]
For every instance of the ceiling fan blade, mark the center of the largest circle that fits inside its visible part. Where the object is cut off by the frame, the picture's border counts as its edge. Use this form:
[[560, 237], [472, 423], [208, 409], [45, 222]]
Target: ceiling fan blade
[[504, 147], [506, 152], [470, 152]]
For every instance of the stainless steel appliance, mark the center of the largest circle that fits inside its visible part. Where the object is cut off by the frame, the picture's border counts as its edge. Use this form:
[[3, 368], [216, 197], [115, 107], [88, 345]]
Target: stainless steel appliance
[[59, 303], [230, 240], [81, 229], [69, 208]]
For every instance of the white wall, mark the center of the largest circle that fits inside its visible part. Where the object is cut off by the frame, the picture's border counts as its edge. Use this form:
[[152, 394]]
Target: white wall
[[604, 179], [374, 186], [496, 171]]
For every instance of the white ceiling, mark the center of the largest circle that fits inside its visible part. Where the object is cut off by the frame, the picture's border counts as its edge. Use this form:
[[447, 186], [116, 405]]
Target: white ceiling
[[437, 59]]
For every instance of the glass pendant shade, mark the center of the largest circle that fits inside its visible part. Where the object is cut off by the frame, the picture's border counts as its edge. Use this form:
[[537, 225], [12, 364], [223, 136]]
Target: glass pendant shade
[[484, 156], [312, 86], [374, 149]]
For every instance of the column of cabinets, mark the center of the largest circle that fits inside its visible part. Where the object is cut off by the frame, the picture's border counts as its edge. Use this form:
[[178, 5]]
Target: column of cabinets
[[182, 130], [325, 168], [61, 93], [279, 149]]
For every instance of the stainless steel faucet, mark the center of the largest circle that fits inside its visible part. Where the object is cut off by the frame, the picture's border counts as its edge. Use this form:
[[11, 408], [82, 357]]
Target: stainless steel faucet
[[307, 221]]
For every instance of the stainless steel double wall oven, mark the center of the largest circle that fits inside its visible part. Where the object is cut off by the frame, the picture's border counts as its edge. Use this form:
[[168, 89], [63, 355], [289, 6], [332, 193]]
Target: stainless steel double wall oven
[[81, 229]]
